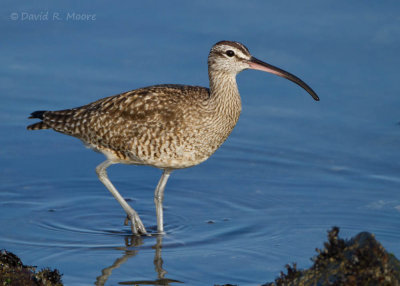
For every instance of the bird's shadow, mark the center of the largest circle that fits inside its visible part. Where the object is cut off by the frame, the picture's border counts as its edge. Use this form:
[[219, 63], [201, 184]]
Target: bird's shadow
[[132, 242]]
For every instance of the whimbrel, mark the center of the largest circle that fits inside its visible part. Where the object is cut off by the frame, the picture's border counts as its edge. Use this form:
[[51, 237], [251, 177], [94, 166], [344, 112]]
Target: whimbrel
[[165, 126]]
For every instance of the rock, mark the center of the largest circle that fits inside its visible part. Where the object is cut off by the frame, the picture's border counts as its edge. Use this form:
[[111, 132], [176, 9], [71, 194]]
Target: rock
[[14, 273], [359, 261]]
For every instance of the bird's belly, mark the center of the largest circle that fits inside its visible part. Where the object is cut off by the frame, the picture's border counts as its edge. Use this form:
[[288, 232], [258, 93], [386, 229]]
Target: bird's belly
[[163, 154], [175, 156], [172, 146]]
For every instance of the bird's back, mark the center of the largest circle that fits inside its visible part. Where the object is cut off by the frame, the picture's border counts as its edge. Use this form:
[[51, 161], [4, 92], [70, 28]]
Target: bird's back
[[166, 126]]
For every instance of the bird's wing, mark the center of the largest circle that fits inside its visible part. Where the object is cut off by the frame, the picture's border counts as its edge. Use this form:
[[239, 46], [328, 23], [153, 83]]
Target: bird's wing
[[114, 120]]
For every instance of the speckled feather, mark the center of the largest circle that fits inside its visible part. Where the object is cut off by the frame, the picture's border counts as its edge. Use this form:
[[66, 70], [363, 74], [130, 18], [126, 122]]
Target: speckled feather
[[166, 126]]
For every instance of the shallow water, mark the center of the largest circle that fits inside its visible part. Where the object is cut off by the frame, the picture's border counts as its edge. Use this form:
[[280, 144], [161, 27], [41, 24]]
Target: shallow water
[[291, 169]]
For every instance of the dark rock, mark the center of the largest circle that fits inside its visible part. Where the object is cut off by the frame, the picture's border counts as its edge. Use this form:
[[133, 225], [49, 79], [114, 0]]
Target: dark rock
[[358, 261], [14, 273]]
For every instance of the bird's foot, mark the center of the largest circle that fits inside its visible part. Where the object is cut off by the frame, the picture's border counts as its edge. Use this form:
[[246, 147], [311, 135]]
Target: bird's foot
[[136, 224]]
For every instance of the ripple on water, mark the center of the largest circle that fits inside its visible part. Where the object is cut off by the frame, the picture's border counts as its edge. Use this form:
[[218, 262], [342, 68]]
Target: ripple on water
[[71, 214], [59, 214], [271, 210]]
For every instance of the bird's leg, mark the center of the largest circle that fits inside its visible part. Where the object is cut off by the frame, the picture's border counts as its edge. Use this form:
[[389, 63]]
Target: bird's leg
[[158, 199], [136, 224]]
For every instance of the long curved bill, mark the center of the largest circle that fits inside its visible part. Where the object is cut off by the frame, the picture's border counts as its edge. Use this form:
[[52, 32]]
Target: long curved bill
[[256, 64]]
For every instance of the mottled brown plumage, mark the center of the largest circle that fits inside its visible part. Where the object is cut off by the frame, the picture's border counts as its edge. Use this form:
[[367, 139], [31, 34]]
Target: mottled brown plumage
[[165, 126]]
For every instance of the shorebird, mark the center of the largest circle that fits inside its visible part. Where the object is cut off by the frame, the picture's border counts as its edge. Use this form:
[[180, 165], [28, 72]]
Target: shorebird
[[165, 126]]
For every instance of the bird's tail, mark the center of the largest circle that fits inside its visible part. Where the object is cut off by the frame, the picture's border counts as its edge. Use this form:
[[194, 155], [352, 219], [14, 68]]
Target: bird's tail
[[38, 125]]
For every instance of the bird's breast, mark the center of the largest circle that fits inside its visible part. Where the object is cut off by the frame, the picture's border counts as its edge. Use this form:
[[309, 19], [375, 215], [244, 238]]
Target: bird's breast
[[188, 142]]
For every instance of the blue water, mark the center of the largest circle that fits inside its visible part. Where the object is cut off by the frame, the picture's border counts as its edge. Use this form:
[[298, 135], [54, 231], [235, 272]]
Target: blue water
[[291, 169]]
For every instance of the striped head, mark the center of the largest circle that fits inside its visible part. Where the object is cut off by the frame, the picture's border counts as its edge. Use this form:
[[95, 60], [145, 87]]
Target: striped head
[[230, 58]]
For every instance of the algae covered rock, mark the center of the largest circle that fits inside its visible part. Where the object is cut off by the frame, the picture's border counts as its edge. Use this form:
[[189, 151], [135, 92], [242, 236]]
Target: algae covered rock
[[14, 273], [359, 261]]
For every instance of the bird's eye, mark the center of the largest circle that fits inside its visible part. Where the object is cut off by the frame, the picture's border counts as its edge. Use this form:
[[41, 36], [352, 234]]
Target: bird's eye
[[230, 53]]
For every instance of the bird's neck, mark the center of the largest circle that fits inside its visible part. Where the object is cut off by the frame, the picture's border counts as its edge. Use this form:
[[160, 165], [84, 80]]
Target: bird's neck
[[225, 94]]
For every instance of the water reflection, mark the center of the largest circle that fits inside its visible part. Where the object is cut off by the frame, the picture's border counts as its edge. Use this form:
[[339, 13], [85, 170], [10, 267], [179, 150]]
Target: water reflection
[[134, 241]]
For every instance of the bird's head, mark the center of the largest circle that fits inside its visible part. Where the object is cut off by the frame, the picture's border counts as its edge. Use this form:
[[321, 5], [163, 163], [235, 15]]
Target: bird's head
[[230, 58]]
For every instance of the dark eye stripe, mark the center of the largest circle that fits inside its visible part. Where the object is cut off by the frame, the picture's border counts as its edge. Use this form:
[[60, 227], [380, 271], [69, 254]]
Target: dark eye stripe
[[237, 45]]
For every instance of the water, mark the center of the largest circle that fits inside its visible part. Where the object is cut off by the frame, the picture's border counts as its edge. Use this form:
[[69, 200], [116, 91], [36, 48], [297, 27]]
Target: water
[[291, 169]]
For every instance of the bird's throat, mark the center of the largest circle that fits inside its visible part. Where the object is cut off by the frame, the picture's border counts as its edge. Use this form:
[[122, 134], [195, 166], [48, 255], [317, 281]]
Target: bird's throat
[[224, 94]]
